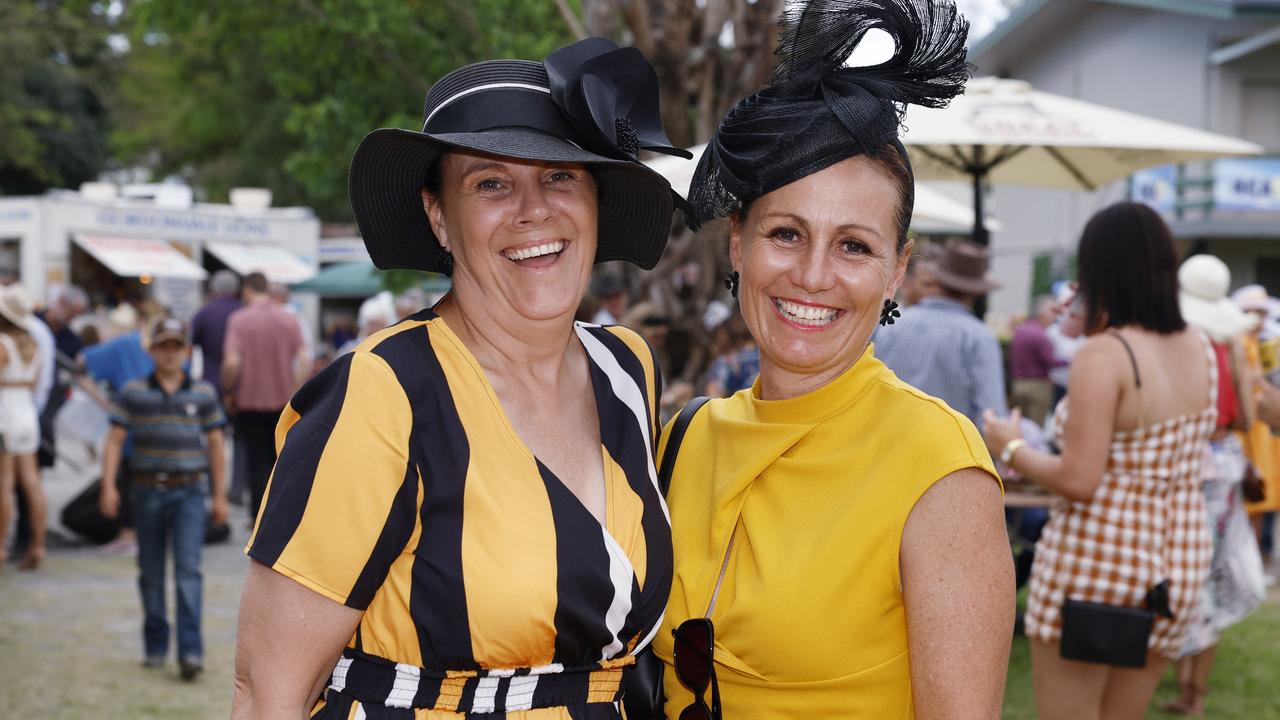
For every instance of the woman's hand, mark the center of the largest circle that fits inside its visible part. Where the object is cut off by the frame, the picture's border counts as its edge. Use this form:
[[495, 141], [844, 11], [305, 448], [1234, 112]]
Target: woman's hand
[[999, 432]]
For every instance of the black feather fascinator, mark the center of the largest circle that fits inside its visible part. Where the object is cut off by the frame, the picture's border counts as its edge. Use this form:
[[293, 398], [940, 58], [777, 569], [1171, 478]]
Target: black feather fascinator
[[815, 112]]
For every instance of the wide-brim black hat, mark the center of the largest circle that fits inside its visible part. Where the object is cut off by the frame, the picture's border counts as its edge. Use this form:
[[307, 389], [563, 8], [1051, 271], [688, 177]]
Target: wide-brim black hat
[[591, 103]]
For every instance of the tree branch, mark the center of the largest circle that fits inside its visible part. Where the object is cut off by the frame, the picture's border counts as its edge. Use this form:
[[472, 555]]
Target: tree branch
[[575, 25]]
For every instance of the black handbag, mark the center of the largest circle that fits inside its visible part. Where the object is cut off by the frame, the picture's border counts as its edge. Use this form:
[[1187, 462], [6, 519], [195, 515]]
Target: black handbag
[[1111, 634], [642, 685]]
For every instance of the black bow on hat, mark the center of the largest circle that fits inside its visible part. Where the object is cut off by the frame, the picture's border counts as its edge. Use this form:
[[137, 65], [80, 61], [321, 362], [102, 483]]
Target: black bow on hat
[[610, 96]]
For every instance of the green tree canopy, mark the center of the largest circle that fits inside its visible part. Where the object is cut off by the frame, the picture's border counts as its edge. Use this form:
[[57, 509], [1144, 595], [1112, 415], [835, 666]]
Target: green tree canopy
[[55, 76], [278, 94]]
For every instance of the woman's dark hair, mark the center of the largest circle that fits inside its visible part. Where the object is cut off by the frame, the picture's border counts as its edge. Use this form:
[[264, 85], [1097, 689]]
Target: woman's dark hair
[[435, 177], [892, 164], [1128, 270]]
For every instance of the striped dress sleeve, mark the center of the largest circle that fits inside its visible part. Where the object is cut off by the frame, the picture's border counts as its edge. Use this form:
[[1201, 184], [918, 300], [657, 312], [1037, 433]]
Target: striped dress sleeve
[[343, 499]]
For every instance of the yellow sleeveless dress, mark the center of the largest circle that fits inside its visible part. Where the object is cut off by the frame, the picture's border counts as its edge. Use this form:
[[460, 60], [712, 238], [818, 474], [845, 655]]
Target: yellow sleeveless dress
[[815, 490]]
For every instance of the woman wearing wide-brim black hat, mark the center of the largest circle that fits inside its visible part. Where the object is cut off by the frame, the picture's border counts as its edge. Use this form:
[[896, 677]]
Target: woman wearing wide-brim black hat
[[464, 517]]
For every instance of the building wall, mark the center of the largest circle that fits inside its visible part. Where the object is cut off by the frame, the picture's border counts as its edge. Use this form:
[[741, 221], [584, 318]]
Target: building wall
[[1143, 61]]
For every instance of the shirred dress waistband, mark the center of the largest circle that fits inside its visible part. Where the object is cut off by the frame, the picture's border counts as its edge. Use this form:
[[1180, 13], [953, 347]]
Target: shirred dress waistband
[[376, 681]]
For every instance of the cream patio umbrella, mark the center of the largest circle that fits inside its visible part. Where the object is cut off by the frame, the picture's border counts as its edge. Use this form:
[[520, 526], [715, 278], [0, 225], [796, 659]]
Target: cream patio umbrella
[[1008, 133], [933, 213]]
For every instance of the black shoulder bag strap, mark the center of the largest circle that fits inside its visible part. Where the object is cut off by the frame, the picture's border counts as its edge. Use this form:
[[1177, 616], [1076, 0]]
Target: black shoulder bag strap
[[678, 429], [643, 696]]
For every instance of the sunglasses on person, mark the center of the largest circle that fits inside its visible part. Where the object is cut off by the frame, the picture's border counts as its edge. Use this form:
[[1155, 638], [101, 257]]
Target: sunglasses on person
[[694, 643]]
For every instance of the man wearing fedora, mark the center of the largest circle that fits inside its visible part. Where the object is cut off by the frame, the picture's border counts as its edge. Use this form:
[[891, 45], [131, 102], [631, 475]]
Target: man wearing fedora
[[939, 346]]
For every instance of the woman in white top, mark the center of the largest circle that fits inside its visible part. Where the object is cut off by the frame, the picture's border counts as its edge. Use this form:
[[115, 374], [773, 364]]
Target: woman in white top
[[19, 421]]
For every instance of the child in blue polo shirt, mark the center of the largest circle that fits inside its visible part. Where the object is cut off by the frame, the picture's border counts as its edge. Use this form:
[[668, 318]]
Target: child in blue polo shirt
[[175, 424]]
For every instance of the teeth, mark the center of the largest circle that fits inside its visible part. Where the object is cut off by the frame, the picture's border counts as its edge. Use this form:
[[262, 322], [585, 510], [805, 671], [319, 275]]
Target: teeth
[[806, 314], [536, 251]]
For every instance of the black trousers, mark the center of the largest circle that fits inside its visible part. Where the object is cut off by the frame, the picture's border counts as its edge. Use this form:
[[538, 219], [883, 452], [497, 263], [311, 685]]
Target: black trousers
[[258, 429]]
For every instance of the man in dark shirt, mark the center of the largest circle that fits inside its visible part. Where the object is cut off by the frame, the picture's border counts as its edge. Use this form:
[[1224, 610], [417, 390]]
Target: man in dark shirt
[[175, 425], [209, 326]]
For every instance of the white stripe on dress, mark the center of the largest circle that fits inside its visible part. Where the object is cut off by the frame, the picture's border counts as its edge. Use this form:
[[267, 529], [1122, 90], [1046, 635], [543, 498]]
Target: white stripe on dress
[[486, 695], [620, 574], [520, 692], [625, 389], [405, 688], [338, 680]]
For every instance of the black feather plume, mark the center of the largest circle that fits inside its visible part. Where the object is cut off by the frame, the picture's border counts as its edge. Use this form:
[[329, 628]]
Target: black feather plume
[[927, 68]]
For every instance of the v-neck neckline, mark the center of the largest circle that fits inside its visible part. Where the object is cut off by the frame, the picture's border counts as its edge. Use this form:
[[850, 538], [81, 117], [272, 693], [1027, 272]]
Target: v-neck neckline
[[605, 476]]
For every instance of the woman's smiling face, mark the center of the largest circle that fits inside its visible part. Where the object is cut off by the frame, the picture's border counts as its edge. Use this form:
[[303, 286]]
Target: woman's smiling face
[[522, 233], [818, 258]]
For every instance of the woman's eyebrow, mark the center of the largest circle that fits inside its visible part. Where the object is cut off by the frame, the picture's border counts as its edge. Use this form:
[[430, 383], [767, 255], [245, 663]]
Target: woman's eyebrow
[[481, 165]]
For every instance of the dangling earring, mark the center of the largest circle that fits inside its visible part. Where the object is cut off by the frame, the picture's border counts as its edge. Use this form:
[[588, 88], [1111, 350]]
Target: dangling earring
[[731, 282], [889, 312], [446, 263]]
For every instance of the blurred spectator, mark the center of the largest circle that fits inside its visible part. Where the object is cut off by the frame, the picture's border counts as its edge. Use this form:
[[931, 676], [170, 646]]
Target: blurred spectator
[[20, 367], [1067, 335], [115, 363], [44, 389], [651, 322], [209, 326], [1031, 358], [410, 302], [940, 347], [921, 281], [264, 363], [736, 359], [1260, 443], [1235, 584], [175, 425], [209, 333], [341, 333], [611, 293], [279, 293], [376, 313], [1131, 432], [66, 303], [90, 336]]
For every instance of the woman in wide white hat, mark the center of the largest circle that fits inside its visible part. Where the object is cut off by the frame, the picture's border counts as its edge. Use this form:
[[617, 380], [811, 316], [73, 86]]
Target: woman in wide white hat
[[19, 421], [1229, 594]]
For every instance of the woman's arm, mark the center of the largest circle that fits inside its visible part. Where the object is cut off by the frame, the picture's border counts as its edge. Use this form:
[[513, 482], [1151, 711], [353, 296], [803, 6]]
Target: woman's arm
[[958, 587], [1094, 388], [288, 640]]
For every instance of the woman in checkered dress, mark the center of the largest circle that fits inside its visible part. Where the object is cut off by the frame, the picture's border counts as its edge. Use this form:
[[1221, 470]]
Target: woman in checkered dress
[[1143, 404]]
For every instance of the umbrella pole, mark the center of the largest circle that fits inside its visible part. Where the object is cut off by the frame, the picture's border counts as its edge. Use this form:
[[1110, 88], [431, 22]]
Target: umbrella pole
[[978, 172], [980, 235]]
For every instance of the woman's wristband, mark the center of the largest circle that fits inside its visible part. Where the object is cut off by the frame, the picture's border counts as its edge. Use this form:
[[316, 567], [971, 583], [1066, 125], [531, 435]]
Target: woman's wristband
[[1006, 455]]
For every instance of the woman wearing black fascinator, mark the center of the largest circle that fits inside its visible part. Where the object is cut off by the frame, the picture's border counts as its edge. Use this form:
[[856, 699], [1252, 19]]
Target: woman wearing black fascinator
[[839, 536], [464, 520]]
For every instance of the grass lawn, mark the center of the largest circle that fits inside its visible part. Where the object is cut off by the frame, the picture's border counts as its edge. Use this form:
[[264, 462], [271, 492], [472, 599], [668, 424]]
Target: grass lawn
[[1245, 683]]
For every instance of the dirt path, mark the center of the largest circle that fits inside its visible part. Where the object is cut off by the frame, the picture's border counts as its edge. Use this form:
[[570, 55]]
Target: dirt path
[[71, 633]]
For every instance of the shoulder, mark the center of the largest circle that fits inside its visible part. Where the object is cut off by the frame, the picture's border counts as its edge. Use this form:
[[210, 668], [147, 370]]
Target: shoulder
[[136, 388], [916, 421], [204, 389]]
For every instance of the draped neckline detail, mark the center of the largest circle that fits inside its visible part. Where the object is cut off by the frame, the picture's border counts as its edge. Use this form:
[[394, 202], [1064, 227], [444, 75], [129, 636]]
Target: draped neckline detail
[[751, 434]]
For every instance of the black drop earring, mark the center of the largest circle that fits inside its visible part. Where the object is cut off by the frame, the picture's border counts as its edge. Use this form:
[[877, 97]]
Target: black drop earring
[[446, 263], [889, 312], [731, 282]]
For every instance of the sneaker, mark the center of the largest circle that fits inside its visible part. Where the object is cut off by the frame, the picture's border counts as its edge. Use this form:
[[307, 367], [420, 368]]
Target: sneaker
[[124, 545], [153, 662], [190, 667]]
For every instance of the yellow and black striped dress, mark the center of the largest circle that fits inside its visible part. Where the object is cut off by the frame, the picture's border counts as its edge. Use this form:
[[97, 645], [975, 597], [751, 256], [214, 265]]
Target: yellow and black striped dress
[[402, 490]]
